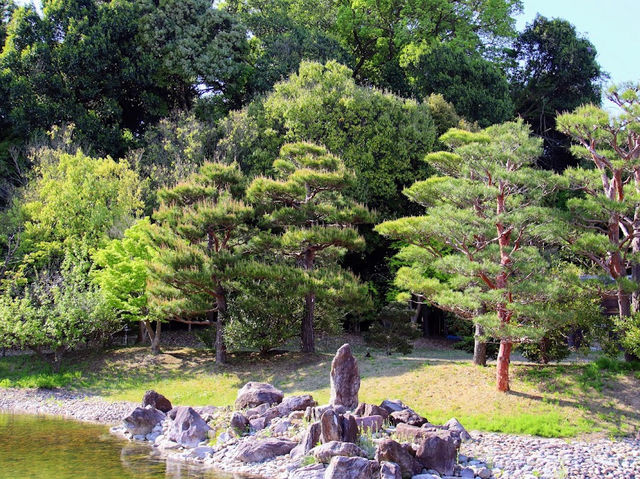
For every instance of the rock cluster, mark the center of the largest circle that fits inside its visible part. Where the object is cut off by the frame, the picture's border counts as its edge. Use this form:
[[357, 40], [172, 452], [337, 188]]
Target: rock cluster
[[294, 437]]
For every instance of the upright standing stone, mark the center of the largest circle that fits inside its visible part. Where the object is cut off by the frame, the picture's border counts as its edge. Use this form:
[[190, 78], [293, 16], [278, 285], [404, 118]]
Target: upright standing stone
[[345, 379]]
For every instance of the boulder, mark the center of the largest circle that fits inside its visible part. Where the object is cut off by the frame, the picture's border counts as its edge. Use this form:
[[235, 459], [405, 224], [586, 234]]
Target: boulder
[[309, 440], [260, 450], [324, 452], [315, 413], [342, 467], [239, 423], [438, 452], [281, 427], [258, 423], [370, 423], [393, 405], [156, 400], [407, 416], [365, 409], [331, 426], [405, 432], [142, 420], [296, 403], [256, 411], [392, 451], [253, 394], [345, 379], [390, 470], [350, 430], [187, 427], [454, 425], [313, 471]]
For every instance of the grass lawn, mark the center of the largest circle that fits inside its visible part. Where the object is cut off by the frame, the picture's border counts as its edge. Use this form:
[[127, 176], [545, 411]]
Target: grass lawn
[[564, 400]]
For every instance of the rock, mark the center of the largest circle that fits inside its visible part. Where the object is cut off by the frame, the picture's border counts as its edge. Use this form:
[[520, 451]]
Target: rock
[[296, 415], [331, 427], [467, 473], [324, 452], [405, 432], [483, 473], [253, 394], [392, 451], [454, 425], [156, 400], [407, 416], [425, 476], [187, 427], [345, 379], [393, 405], [142, 420], [313, 471], [281, 427], [365, 409], [258, 423], [315, 413], [296, 403], [350, 430], [438, 452], [369, 424], [390, 470], [258, 451], [201, 452], [239, 424], [309, 440], [256, 411], [342, 467]]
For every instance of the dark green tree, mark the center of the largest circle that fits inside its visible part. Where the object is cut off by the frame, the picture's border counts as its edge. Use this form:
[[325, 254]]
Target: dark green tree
[[306, 201], [393, 329], [477, 87], [555, 70]]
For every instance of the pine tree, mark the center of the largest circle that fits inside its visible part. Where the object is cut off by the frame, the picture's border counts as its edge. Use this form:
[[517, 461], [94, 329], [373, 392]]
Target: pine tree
[[203, 224], [316, 220], [482, 222]]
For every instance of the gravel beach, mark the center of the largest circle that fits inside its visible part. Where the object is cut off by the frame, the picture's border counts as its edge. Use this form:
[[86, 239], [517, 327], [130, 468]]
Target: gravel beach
[[510, 456]]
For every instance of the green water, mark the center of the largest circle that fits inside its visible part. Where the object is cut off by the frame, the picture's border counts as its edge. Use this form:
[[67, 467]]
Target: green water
[[35, 447]]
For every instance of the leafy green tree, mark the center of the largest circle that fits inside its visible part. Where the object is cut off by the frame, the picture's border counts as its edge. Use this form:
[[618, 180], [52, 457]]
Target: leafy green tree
[[283, 34], [477, 87], [58, 309], [202, 225], [122, 274], [383, 37], [74, 197], [306, 201], [555, 70], [479, 233], [379, 136], [603, 224]]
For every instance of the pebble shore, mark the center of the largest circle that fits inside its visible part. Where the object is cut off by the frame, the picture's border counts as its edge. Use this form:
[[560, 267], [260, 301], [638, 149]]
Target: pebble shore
[[509, 456]]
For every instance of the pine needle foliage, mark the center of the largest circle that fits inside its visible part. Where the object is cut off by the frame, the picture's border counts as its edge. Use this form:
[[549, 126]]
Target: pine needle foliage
[[311, 220], [484, 220]]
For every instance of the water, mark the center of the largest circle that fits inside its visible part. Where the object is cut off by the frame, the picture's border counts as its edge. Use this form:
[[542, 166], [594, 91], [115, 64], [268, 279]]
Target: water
[[36, 447]]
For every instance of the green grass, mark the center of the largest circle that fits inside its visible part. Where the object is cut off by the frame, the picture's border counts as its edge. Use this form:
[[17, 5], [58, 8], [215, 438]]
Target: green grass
[[563, 400]]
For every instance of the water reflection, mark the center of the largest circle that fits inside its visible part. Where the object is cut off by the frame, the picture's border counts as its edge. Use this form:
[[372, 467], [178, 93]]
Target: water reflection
[[35, 447]]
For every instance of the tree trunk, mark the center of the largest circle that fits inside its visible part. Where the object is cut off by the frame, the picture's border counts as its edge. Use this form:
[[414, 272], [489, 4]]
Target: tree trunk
[[140, 338], [544, 350], [479, 347], [221, 303], [154, 336], [502, 370], [308, 340]]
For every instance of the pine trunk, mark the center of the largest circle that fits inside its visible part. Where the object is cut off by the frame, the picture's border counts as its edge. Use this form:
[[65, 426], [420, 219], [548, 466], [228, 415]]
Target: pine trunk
[[502, 370], [479, 347], [307, 336], [221, 348], [155, 344]]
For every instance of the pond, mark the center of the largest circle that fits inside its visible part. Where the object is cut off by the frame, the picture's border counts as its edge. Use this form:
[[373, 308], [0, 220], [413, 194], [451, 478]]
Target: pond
[[36, 447]]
